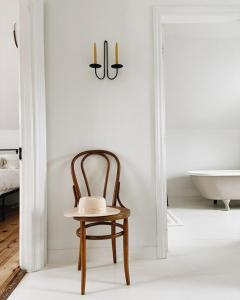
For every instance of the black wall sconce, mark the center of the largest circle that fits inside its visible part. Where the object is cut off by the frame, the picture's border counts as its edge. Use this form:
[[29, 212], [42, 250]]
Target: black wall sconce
[[96, 66]]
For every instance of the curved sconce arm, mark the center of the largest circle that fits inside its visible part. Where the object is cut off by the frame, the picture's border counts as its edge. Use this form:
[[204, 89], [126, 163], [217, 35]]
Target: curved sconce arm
[[97, 66]]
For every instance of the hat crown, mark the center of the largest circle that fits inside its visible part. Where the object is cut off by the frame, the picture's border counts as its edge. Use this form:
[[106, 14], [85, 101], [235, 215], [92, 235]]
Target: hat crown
[[92, 205]]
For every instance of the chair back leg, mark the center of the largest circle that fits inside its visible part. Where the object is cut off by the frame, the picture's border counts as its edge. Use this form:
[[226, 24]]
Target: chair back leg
[[114, 251]]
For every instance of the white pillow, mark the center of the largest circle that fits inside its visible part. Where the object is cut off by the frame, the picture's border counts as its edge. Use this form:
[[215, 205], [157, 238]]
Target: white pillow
[[12, 161]]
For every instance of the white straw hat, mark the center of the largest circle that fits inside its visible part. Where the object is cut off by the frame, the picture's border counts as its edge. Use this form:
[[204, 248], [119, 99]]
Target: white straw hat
[[92, 207]]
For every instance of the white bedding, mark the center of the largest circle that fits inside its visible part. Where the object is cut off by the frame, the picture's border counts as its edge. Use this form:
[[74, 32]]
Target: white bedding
[[9, 179]]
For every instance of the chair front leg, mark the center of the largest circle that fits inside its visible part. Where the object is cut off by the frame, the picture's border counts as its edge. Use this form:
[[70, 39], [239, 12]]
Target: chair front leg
[[79, 256], [83, 256], [125, 250], [114, 251]]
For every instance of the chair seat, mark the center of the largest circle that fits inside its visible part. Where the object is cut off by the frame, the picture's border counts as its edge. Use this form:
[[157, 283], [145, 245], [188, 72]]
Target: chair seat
[[123, 214]]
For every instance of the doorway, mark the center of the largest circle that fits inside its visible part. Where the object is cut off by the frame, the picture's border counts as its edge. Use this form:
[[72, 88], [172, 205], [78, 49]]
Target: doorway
[[10, 272], [28, 36], [164, 16], [202, 63]]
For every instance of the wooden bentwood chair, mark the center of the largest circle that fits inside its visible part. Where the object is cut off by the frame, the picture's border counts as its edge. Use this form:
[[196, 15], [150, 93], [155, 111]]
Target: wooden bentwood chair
[[86, 222]]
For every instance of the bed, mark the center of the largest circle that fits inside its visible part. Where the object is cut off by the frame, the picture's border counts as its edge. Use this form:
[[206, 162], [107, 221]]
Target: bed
[[9, 179]]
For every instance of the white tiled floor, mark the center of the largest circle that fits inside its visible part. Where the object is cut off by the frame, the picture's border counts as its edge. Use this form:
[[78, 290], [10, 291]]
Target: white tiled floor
[[203, 263]]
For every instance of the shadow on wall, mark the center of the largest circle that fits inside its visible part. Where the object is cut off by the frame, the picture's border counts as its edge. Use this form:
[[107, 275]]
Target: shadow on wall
[[181, 186]]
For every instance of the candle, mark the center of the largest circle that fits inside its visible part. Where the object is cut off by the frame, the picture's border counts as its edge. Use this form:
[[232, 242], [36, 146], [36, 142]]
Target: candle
[[94, 53], [116, 53]]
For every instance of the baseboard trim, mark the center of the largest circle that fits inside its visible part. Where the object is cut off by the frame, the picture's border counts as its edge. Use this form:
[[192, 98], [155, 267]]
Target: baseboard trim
[[59, 257]]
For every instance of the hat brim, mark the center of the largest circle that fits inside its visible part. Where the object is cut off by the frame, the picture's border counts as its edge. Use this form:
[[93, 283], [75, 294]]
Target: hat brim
[[74, 213]]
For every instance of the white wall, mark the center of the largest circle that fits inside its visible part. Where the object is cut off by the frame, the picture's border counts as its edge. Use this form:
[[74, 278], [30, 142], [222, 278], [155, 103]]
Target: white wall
[[9, 139], [8, 75], [203, 102], [84, 112]]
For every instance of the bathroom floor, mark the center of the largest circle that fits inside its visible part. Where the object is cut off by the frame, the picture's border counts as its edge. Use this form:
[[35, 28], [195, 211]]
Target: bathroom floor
[[203, 221], [203, 262]]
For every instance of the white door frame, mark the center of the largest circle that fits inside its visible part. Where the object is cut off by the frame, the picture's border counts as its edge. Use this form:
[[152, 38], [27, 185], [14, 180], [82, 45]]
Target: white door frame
[[170, 15], [33, 209]]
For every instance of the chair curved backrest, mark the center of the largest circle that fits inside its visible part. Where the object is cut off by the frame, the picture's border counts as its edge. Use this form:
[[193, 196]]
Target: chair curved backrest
[[107, 155]]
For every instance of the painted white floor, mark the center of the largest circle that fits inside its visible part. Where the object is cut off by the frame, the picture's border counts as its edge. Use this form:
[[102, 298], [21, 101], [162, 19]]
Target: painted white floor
[[203, 263]]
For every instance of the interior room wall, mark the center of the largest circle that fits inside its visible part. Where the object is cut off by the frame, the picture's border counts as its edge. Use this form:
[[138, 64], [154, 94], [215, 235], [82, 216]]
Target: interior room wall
[[202, 67], [9, 139], [9, 100], [85, 113]]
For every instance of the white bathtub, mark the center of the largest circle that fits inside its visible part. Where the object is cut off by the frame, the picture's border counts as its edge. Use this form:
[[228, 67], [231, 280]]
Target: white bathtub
[[218, 184]]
